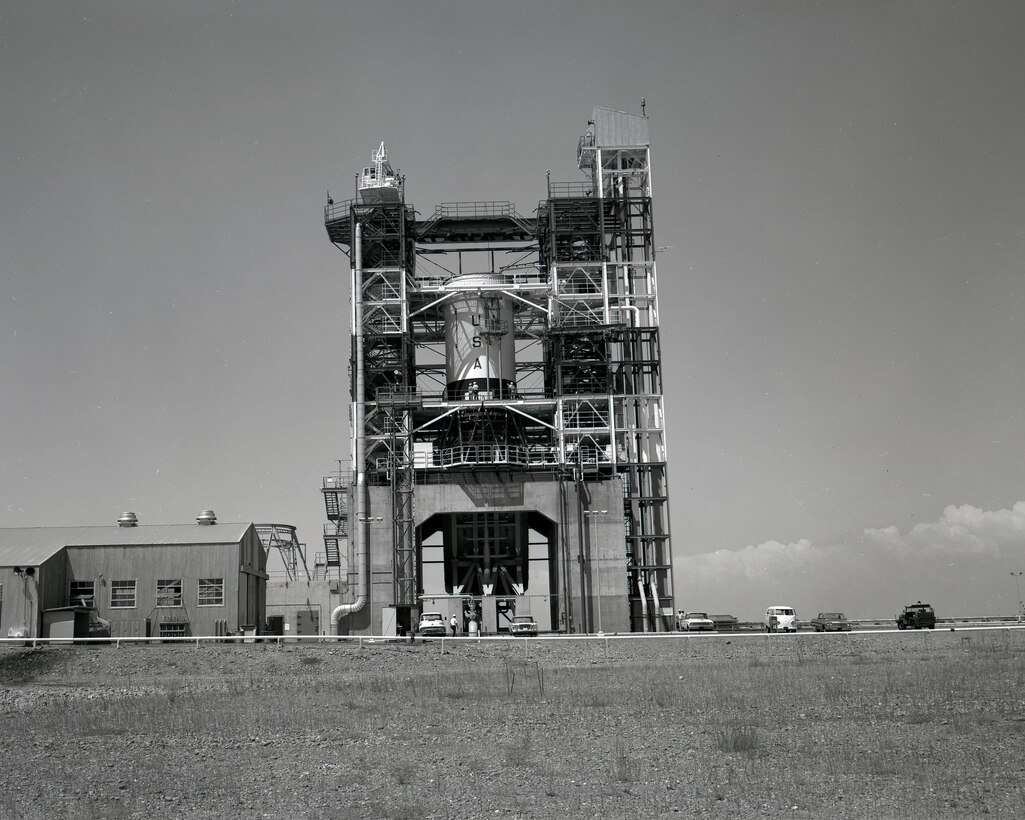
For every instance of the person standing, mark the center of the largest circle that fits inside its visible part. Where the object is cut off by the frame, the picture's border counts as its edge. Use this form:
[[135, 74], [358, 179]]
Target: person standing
[[452, 623]]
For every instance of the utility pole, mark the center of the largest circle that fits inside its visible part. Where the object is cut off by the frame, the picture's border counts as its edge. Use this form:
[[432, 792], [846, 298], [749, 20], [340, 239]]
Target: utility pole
[[1017, 589]]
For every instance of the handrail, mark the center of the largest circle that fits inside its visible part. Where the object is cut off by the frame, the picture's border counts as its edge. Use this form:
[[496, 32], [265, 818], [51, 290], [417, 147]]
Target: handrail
[[480, 454], [369, 640], [512, 279], [570, 190], [491, 208], [338, 210], [338, 481]]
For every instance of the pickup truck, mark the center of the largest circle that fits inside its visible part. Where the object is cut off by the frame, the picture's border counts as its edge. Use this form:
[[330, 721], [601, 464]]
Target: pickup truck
[[830, 622], [917, 616]]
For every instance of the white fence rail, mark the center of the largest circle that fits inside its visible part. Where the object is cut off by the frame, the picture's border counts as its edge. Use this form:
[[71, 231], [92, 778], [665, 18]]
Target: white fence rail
[[371, 640]]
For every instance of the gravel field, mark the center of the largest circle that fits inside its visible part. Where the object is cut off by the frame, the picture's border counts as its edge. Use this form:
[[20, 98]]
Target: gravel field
[[928, 724]]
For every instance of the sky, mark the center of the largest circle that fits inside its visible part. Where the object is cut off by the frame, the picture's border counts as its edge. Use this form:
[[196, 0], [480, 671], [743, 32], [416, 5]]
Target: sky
[[839, 192]]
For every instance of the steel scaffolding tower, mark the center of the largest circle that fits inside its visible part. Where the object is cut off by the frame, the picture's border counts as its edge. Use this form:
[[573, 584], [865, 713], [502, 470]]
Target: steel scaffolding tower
[[568, 303], [604, 354]]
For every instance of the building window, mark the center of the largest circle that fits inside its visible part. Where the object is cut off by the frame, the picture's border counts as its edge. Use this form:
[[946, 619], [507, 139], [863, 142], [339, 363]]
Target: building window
[[172, 630], [82, 593], [169, 592], [211, 592], [122, 594]]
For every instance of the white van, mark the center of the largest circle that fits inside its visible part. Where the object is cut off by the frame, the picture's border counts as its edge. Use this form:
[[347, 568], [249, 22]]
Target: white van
[[780, 619]]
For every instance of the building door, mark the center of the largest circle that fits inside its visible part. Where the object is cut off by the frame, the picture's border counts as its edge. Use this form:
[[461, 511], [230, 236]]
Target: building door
[[275, 625], [307, 622]]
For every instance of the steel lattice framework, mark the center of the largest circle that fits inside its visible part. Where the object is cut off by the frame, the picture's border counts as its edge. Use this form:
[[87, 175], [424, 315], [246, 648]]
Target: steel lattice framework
[[588, 399]]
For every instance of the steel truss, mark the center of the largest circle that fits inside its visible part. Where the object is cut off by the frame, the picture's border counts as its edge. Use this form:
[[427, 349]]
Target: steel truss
[[588, 385], [603, 349], [387, 267]]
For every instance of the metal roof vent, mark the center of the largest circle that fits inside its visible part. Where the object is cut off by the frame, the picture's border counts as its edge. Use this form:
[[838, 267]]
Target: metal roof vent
[[128, 519], [206, 518]]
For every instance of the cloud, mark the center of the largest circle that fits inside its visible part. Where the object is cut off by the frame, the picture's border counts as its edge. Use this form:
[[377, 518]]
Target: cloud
[[964, 530], [961, 562]]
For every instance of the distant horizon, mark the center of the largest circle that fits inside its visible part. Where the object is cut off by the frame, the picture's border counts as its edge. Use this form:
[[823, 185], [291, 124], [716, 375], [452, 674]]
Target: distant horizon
[[838, 199]]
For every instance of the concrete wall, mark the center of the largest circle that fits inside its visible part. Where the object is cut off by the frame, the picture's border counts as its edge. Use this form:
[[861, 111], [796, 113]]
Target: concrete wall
[[303, 603], [604, 553], [588, 564]]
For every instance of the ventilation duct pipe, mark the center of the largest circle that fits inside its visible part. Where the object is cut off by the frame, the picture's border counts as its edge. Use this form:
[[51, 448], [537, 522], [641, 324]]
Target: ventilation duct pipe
[[362, 527], [644, 605], [658, 606]]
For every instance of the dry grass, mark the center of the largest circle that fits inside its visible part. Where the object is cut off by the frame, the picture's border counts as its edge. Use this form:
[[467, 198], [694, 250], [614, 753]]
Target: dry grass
[[837, 726]]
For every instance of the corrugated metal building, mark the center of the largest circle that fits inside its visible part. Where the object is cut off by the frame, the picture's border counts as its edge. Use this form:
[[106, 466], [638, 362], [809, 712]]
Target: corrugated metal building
[[163, 580]]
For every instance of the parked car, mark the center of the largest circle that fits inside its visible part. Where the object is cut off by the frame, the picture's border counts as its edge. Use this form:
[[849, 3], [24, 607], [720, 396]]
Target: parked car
[[831, 622], [697, 622], [725, 623], [917, 616], [432, 625], [780, 619], [523, 626]]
